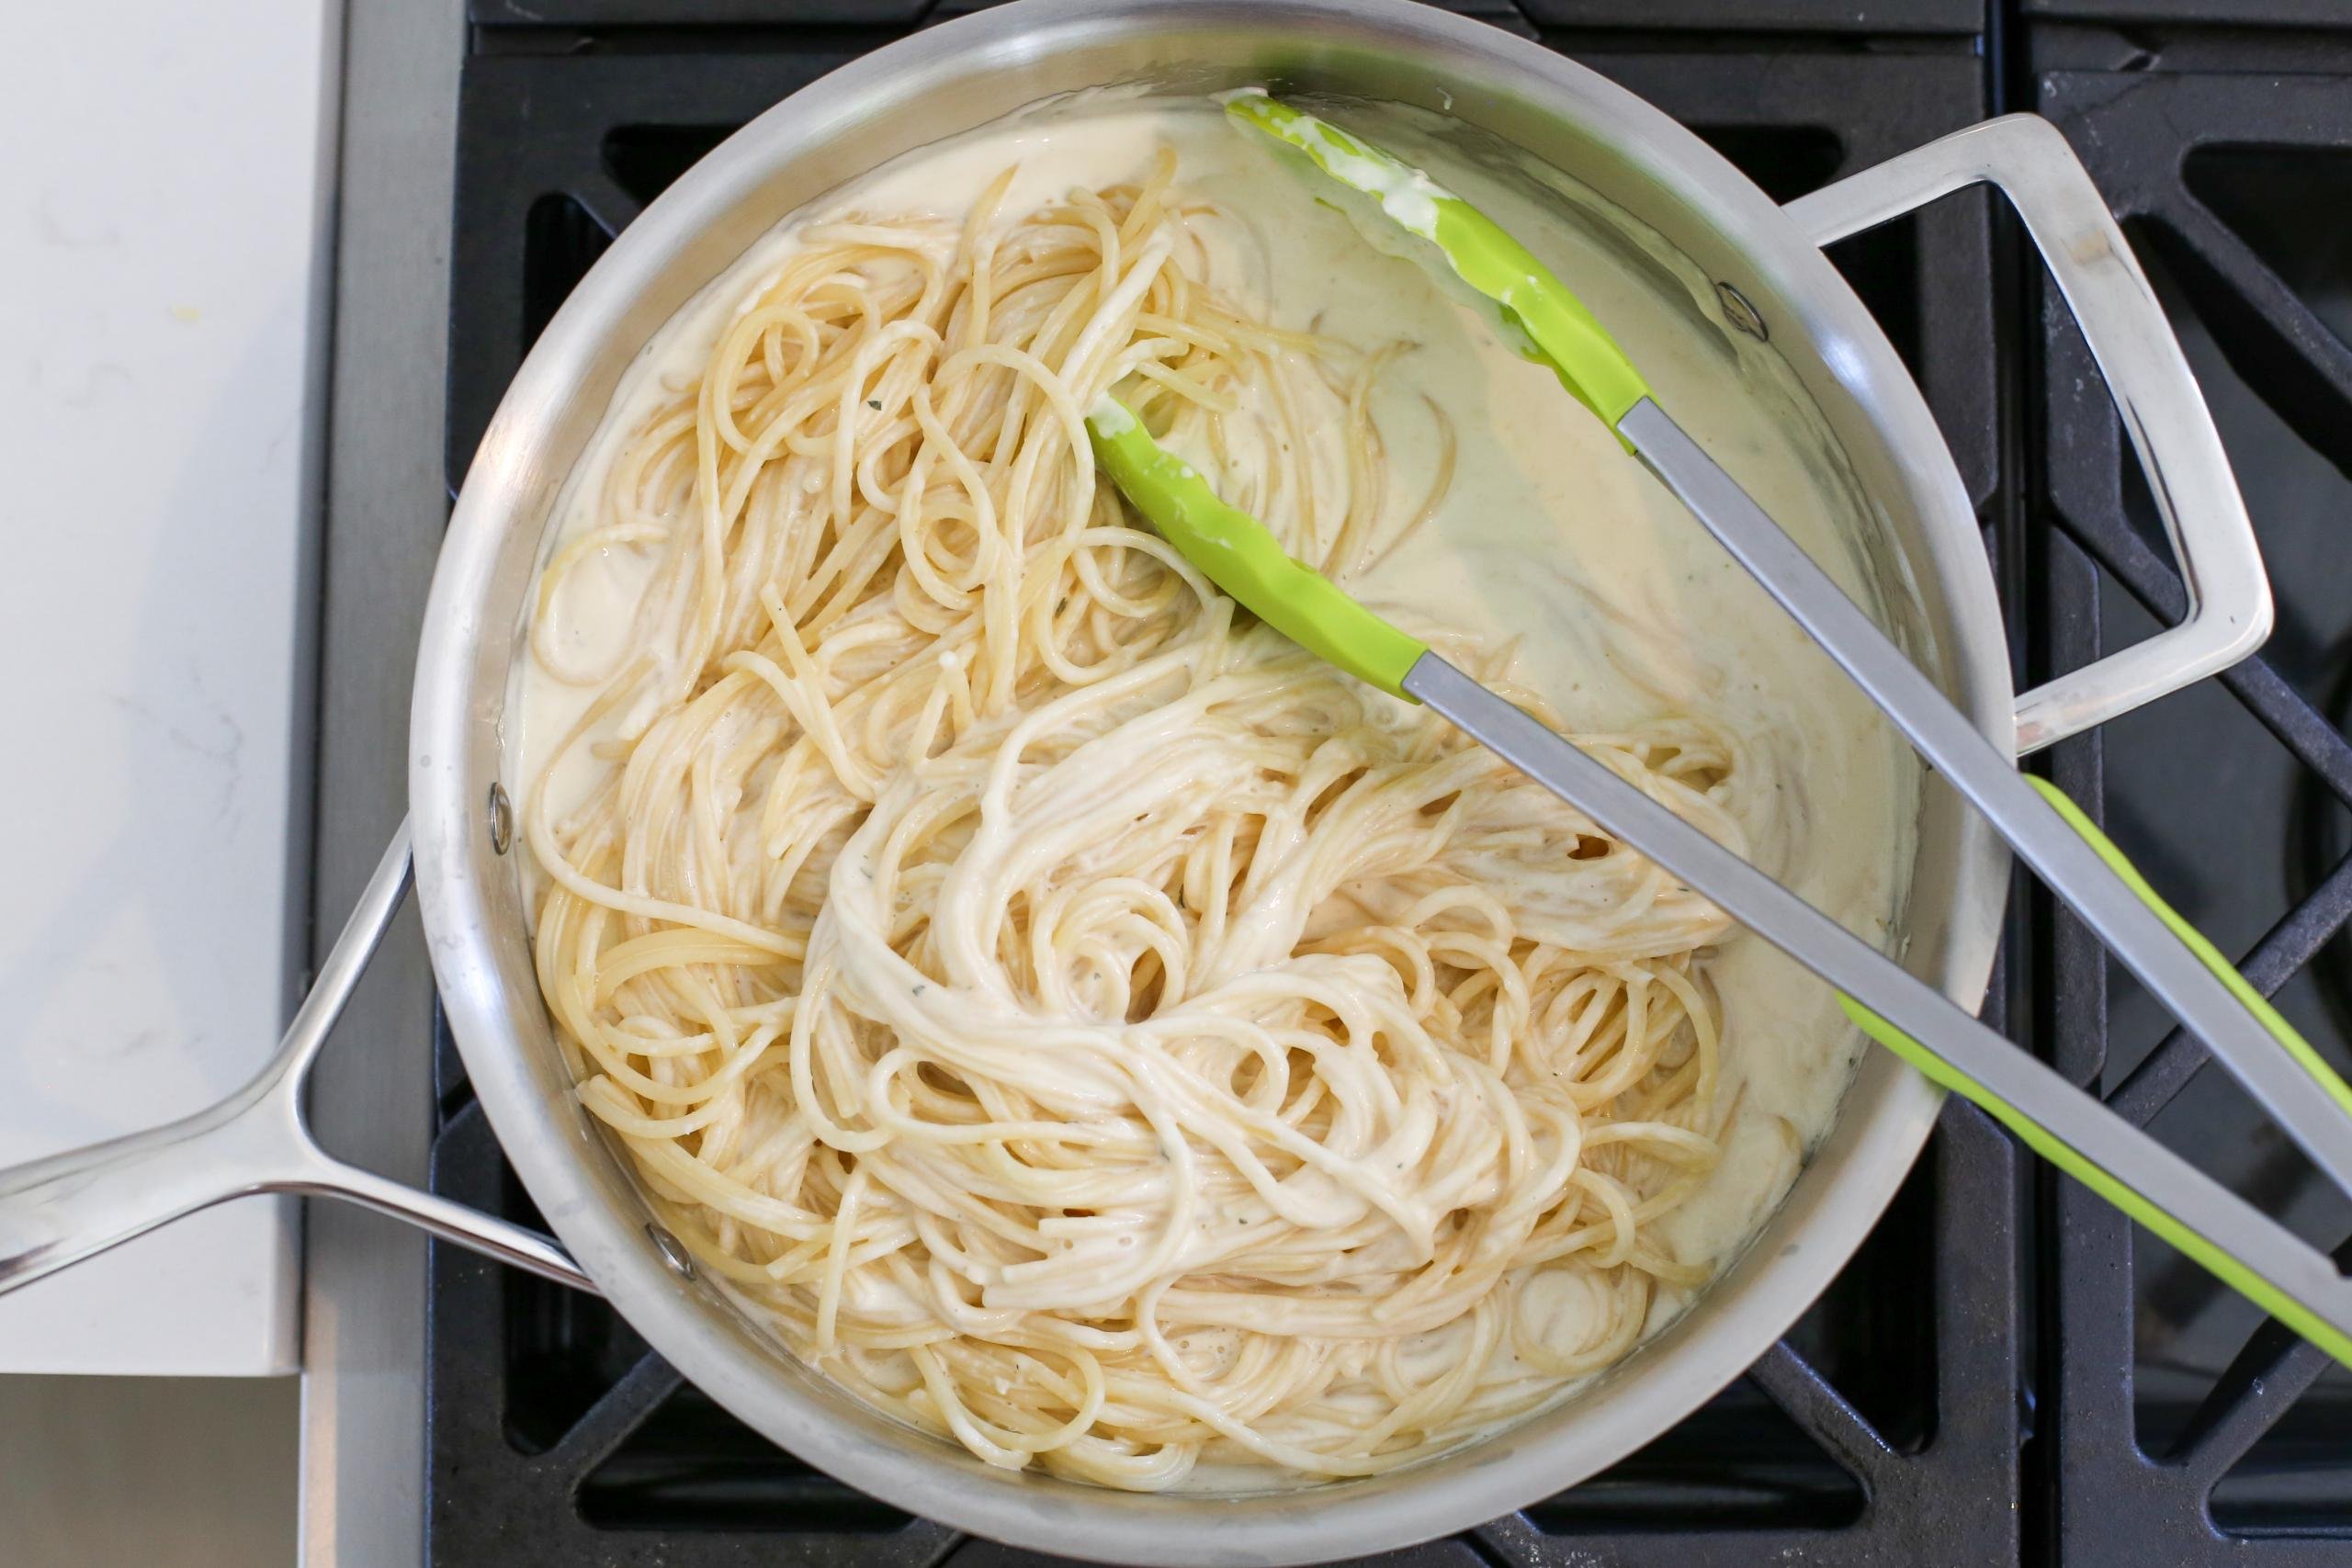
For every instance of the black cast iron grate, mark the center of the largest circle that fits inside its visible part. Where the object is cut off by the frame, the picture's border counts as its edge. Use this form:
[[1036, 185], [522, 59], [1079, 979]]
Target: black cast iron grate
[[1895, 1424], [2185, 1426]]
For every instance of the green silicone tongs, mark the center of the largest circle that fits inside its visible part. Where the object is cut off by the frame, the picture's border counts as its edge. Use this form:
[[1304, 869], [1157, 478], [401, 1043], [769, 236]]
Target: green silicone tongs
[[2242, 1246]]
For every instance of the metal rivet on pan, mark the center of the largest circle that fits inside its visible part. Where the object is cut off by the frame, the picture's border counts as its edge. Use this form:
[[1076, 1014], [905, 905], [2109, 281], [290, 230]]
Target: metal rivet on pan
[[501, 819], [1741, 314], [673, 1251]]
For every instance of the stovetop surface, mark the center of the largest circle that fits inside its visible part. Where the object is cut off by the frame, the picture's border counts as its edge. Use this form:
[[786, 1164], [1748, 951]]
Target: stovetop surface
[[2006, 1371]]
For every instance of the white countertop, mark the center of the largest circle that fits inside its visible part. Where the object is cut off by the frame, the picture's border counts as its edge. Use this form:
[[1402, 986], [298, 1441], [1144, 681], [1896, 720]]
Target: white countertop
[[162, 211]]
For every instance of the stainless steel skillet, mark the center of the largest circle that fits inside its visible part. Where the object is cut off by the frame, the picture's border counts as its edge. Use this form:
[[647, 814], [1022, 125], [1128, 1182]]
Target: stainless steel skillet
[[951, 78]]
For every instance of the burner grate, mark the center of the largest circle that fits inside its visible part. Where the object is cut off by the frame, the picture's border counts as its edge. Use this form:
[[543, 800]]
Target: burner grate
[[2189, 1428]]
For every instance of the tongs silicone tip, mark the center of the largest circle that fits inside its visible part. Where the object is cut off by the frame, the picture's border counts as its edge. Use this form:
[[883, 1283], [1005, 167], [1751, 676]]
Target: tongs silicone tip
[[1243, 557], [1548, 322]]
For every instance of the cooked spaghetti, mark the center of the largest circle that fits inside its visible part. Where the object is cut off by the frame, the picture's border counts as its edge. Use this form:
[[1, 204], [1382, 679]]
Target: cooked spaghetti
[[1085, 1025]]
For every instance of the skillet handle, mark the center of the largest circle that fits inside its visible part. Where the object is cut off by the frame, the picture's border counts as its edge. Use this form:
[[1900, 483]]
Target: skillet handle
[[2155, 394], [56, 1212]]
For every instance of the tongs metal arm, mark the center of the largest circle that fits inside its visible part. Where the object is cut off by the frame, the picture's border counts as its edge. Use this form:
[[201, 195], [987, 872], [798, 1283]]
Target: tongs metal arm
[[2294, 1086], [2242, 1246]]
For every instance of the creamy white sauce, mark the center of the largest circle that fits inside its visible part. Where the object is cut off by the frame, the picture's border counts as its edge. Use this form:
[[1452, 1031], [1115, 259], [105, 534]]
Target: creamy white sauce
[[1617, 605]]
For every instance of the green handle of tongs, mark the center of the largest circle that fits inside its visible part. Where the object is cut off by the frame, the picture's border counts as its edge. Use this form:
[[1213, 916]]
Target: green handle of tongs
[[2217, 1262], [1562, 333]]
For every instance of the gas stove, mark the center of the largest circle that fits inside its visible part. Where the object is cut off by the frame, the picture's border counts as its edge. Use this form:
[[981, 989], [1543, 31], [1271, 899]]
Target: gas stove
[[2006, 1371]]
